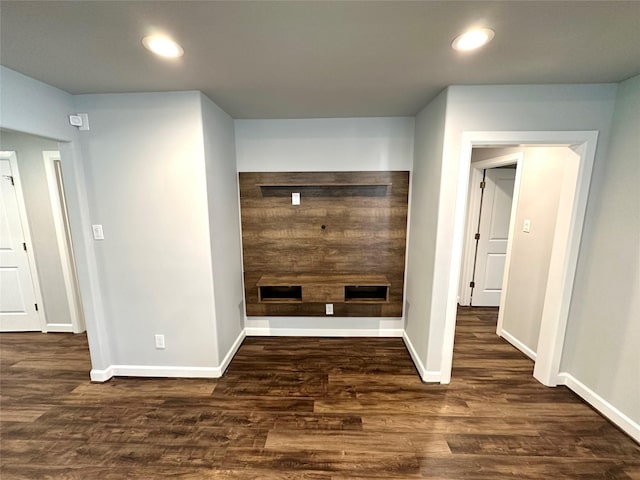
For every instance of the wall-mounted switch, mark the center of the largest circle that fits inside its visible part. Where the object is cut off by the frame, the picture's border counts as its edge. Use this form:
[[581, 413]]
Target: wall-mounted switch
[[295, 198], [160, 342], [98, 234], [526, 228], [329, 308]]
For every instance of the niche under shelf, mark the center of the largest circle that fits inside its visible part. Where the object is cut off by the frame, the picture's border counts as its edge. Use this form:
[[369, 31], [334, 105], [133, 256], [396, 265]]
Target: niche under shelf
[[281, 293], [366, 293]]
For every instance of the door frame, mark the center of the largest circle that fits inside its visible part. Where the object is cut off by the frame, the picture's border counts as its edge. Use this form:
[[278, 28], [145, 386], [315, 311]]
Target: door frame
[[65, 245], [26, 232], [473, 210], [566, 242]]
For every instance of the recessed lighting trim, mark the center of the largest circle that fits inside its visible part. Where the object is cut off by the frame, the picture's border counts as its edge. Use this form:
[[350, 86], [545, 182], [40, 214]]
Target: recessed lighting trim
[[162, 46], [473, 39]]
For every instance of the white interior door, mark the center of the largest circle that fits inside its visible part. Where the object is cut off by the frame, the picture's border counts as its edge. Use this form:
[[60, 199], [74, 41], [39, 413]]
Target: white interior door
[[494, 233], [17, 293]]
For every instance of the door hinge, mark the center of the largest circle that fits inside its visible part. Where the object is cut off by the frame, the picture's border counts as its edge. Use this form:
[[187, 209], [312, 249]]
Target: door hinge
[[472, 284], [24, 246], [483, 184], [36, 306], [477, 236], [10, 178]]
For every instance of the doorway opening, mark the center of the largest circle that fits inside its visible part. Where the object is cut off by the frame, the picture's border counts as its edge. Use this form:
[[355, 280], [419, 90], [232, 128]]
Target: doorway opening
[[21, 306], [568, 221], [38, 274], [492, 182], [517, 222]]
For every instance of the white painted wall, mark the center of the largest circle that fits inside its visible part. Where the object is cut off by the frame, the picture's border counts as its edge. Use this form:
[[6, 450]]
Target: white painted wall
[[30, 106], [425, 190], [29, 150], [602, 346], [541, 184], [146, 178], [224, 223], [141, 147], [336, 144], [495, 108], [480, 154]]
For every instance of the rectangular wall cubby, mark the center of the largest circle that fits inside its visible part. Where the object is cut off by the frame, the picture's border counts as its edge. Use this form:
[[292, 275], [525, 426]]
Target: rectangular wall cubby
[[344, 243]]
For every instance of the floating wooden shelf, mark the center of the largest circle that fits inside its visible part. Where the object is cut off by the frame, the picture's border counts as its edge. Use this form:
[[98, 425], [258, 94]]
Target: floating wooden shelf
[[325, 189], [324, 184], [319, 288]]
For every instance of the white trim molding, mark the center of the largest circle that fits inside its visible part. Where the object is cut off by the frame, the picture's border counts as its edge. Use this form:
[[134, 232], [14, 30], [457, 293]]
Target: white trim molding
[[324, 326], [60, 328], [518, 344], [426, 375], [565, 249], [168, 371], [224, 364], [626, 424], [154, 371], [101, 375], [65, 247], [322, 332]]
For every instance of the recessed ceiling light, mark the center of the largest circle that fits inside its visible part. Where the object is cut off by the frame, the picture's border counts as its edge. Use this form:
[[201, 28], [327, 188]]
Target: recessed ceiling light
[[473, 39], [163, 46]]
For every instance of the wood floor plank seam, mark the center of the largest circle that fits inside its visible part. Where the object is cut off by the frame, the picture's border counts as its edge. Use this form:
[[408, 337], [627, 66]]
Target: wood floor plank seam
[[302, 409]]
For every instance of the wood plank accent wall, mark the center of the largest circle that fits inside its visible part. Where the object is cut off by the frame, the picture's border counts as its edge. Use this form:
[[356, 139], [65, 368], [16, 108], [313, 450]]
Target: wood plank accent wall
[[364, 215]]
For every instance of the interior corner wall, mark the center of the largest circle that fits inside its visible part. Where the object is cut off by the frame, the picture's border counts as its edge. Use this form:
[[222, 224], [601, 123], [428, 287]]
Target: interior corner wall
[[541, 182], [33, 107], [324, 144], [224, 224], [425, 190], [500, 108], [146, 178], [33, 175], [602, 343]]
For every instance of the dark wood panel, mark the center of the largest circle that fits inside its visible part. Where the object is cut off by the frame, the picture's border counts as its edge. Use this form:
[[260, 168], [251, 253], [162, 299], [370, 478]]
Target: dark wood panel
[[364, 215], [302, 408]]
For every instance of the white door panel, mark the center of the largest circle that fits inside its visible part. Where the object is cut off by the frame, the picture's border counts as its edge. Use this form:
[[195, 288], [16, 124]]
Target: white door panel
[[17, 294], [502, 198], [494, 233], [493, 272]]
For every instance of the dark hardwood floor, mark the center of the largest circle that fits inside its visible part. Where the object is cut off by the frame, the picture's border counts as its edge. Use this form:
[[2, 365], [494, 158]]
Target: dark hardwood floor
[[302, 408]]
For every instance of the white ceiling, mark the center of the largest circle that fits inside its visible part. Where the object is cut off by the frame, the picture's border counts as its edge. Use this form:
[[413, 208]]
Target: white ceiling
[[318, 59]]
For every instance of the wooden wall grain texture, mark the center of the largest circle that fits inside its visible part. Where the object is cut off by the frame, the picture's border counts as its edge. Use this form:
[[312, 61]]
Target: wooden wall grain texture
[[364, 215]]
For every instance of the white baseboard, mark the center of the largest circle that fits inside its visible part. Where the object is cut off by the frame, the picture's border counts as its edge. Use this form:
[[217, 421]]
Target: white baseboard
[[59, 327], [322, 332], [425, 375], [168, 371], [518, 344], [154, 371], [605, 408], [101, 375], [324, 326], [232, 351]]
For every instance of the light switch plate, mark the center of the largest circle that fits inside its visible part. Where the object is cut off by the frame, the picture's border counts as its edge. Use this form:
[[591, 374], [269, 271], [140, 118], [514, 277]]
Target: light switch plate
[[329, 308], [98, 234], [295, 198], [526, 228]]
